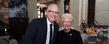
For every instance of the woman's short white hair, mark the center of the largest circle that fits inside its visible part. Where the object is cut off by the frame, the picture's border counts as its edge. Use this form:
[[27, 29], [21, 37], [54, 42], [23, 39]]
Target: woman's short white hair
[[67, 15]]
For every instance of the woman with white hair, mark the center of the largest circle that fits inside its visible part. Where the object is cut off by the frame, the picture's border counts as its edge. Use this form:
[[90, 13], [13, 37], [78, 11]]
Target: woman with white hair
[[68, 35]]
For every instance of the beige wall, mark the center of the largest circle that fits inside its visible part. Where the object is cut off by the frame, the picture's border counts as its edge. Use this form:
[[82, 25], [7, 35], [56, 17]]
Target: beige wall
[[78, 10], [32, 9], [75, 12], [61, 7], [102, 12]]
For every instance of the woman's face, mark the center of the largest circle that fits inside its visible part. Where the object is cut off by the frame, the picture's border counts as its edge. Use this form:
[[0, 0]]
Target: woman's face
[[67, 23]]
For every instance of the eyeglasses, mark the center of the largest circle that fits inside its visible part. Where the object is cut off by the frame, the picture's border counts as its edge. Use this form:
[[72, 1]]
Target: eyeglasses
[[53, 12]]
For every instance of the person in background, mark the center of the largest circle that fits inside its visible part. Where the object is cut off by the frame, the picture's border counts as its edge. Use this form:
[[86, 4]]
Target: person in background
[[43, 30], [68, 35]]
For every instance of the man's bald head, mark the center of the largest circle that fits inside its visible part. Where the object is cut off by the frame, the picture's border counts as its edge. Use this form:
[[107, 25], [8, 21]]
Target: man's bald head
[[52, 5]]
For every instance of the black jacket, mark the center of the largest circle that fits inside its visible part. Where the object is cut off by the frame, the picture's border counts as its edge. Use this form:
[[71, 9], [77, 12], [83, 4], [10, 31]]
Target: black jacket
[[72, 37], [37, 31]]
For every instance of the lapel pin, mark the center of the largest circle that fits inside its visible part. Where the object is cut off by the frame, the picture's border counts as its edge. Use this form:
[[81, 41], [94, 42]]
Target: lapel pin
[[70, 34]]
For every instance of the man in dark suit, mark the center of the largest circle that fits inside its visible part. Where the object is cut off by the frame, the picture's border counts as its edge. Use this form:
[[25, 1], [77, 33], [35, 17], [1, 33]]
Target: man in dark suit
[[43, 30]]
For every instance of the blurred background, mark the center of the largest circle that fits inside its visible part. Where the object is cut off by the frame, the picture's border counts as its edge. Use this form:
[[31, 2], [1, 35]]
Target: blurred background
[[90, 18]]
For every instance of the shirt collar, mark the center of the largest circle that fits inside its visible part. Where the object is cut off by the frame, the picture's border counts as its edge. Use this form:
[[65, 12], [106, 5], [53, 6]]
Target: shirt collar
[[48, 21]]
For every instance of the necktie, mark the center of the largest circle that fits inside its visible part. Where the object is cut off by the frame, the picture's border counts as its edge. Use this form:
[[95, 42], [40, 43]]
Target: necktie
[[50, 42]]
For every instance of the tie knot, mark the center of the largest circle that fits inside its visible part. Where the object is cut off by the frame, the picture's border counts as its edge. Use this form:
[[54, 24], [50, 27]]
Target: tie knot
[[51, 25]]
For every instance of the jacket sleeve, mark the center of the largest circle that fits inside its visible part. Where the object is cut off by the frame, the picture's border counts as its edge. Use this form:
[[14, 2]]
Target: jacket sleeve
[[79, 39], [30, 32]]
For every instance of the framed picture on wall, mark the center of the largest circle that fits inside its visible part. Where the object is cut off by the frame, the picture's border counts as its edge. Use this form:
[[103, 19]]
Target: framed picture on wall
[[18, 9]]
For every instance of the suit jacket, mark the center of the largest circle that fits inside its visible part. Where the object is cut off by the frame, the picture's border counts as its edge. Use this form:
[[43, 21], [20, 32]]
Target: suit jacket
[[72, 37], [37, 31]]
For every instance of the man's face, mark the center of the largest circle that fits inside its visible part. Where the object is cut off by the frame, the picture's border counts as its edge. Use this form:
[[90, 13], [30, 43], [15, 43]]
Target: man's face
[[67, 23], [52, 13]]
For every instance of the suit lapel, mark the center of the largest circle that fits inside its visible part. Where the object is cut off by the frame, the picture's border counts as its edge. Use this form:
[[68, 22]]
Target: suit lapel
[[55, 31], [44, 28], [55, 28]]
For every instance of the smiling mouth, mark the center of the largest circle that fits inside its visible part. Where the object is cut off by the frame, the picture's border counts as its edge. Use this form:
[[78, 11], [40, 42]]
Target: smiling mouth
[[53, 17]]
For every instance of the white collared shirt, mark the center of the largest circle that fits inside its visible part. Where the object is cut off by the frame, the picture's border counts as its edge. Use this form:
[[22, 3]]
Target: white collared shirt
[[48, 31]]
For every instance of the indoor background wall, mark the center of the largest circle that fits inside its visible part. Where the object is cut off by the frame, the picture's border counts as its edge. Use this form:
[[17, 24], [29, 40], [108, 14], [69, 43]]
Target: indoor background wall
[[32, 9], [102, 12], [78, 8], [79, 11]]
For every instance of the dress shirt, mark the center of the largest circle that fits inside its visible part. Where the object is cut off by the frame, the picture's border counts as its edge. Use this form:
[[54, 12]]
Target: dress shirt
[[48, 31]]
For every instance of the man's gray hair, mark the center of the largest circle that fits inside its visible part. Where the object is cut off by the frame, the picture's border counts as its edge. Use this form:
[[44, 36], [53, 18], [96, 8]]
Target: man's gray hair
[[67, 15]]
